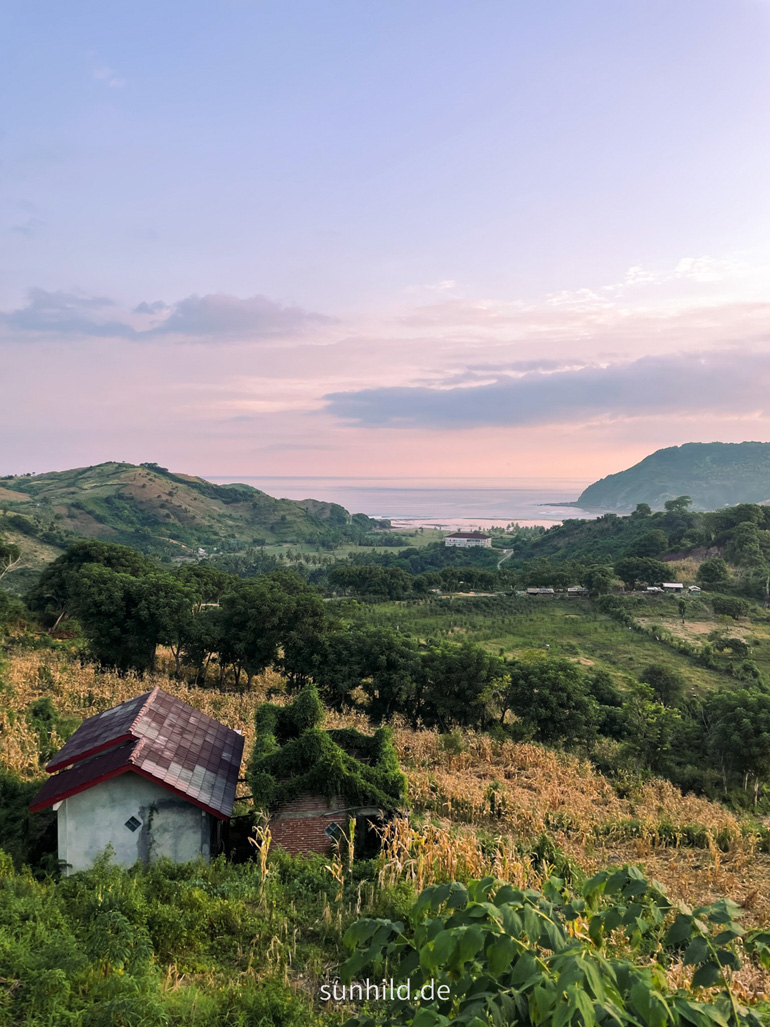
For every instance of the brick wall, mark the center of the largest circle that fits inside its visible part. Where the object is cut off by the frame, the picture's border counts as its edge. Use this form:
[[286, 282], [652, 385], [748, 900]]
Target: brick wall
[[300, 825]]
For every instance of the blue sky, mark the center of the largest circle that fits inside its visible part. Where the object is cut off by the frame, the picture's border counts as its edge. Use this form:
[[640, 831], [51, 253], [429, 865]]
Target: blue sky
[[245, 237]]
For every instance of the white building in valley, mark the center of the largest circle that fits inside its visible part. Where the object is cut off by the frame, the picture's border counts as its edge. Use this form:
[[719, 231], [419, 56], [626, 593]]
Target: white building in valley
[[468, 539]]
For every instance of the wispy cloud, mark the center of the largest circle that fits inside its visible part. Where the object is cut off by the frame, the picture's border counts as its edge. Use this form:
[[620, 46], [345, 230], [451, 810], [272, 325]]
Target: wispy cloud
[[708, 269], [28, 228], [65, 313], [698, 270], [212, 317], [675, 384], [108, 76], [221, 315]]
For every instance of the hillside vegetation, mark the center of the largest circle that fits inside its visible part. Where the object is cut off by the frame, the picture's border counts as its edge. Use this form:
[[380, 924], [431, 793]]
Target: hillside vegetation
[[236, 944], [155, 511], [713, 474], [582, 840]]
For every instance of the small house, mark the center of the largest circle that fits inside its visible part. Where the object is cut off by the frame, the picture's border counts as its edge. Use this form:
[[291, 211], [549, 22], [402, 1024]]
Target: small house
[[672, 586], [151, 777], [694, 589], [468, 539], [311, 783]]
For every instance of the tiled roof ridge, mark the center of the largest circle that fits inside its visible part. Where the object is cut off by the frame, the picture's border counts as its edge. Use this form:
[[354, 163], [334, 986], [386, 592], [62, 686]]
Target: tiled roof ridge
[[151, 696], [137, 749], [173, 743]]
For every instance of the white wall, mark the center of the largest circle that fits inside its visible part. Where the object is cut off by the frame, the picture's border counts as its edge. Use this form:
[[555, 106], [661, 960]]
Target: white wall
[[93, 819]]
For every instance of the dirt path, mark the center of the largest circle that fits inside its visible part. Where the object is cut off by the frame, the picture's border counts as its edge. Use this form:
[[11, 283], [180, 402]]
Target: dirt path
[[506, 554]]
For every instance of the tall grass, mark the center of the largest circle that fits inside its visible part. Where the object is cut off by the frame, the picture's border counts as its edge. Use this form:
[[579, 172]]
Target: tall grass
[[478, 805]]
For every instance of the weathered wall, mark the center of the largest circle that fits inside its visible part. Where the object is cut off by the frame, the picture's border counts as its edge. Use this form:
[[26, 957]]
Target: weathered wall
[[300, 825], [96, 818]]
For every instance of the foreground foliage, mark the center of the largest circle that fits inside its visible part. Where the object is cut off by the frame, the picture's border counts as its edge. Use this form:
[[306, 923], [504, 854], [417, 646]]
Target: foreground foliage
[[201, 945], [491, 953]]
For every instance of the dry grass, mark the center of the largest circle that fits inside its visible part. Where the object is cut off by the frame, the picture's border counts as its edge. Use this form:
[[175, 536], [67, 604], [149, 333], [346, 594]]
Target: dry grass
[[83, 691], [695, 631], [684, 570], [479, 796]]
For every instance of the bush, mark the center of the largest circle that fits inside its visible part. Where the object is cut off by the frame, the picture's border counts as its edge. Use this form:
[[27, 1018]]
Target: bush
[[499, 954], [729, 606]]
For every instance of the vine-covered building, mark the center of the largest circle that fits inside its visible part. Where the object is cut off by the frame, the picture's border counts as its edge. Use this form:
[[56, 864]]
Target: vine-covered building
[[151, 777], [313, 782]]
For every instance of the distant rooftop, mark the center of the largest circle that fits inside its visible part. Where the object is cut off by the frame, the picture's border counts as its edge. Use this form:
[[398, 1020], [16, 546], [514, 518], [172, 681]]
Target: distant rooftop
[[159, 737], [468, 534]]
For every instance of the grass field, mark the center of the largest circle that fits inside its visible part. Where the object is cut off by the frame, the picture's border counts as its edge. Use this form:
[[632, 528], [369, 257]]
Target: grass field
[[570, 629], [413, 539]]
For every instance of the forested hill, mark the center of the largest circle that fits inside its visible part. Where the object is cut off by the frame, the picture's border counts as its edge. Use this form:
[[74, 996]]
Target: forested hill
[[713, 474], [156, 511]]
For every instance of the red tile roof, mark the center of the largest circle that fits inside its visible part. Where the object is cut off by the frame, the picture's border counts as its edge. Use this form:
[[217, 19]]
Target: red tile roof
[[103, 731], [159, 737]]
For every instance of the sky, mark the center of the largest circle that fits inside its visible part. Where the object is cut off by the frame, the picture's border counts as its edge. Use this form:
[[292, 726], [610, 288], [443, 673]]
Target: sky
[[382, 237]]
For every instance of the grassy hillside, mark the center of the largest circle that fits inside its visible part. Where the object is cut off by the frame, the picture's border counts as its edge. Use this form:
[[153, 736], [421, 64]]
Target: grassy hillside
[[713, 474], [155, 511], [580, 632], [452, 778], [478, 806]]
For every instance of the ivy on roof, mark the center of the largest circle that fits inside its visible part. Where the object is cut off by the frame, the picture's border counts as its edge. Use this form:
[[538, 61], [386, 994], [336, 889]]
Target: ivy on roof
[[293, 756]]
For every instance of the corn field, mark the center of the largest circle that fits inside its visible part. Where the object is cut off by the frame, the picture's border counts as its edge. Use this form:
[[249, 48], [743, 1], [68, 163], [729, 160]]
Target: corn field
[[472, 798]]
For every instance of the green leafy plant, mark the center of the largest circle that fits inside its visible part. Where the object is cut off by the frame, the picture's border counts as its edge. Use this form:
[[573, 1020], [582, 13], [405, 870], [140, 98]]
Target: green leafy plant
[[494, 954]]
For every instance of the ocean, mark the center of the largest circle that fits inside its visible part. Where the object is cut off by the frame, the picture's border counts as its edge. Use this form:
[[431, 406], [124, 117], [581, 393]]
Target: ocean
[[453, 503]]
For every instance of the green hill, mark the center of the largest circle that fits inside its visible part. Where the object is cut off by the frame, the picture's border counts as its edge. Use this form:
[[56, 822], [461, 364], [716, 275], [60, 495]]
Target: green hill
[[156, 511], [713, 474]]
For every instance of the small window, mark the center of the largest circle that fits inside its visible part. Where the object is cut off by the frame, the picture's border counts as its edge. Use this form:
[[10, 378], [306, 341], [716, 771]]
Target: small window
[[333, 831], [132, 823]]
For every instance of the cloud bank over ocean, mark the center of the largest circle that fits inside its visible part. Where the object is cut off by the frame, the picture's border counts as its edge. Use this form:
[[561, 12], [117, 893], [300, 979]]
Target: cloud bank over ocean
[[676, 384]]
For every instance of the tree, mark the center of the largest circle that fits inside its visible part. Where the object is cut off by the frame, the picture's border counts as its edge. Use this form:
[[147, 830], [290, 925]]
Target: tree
[[642, 510], [371, 581], [306, 621], [52, 595], [384, 664], [739, 734], [126, 618], [609, 700], [338, 666], [729, 606], [203, 640], [551, 699], [10, 555], [457, 683], [633, 569], [748, 545], [598, 579], [209, 582], [650, 728], [653, 543], [166, 610], [712, 572], [668, 685], [259, 616], [10, 609], [678, 505]]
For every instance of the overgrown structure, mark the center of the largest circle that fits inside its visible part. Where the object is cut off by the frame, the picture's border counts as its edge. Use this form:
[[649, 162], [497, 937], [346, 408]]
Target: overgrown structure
[[313, 781]]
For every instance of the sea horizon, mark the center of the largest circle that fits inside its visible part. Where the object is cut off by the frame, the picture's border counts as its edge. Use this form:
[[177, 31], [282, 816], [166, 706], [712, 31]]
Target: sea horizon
[[412, 502]]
